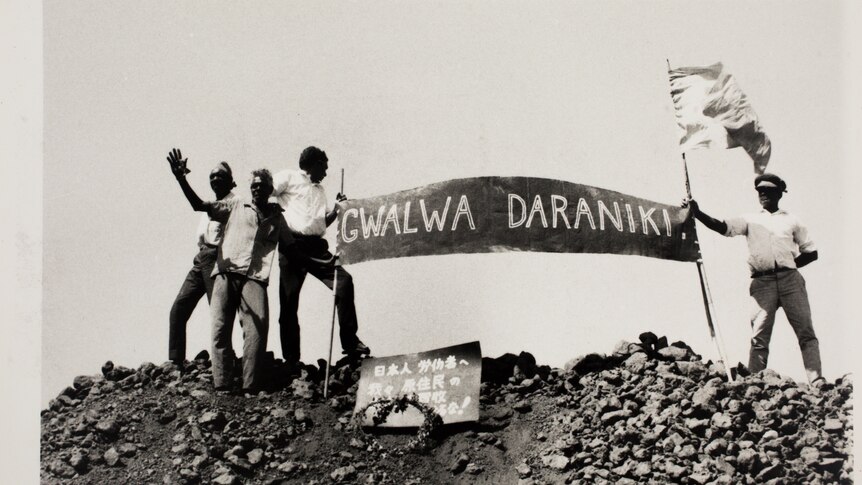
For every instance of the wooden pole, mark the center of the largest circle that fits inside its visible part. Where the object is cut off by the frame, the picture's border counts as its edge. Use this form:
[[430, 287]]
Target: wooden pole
[[704, 287], [334, 307]]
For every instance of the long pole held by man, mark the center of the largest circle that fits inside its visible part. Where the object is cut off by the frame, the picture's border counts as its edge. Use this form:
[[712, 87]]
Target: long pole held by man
[[334, 309]]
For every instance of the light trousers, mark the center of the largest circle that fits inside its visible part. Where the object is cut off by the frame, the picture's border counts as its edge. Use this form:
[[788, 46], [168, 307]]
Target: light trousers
[[232, 293], [786, 290]]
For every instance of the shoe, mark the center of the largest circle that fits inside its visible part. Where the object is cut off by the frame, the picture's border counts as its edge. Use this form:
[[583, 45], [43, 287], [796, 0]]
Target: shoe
[[359, 350], [819, 382]]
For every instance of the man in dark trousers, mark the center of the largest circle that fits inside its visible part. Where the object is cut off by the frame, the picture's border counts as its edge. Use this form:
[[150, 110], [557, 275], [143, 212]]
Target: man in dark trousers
[[199, 281], [305, 210], [252, 230], [778, 245]]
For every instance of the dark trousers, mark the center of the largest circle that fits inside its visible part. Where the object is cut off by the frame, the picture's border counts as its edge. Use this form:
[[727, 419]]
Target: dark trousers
[[293, 272], [197, 284]]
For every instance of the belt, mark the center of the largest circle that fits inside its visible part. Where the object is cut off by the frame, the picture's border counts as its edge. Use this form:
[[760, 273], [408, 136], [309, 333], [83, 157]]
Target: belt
[[770, 272]]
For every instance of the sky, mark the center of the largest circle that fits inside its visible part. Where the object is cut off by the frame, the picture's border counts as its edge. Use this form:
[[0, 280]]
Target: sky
[[401, 95]]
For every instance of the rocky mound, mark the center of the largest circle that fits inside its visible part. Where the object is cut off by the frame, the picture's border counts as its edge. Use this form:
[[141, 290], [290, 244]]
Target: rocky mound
[[646, 413]]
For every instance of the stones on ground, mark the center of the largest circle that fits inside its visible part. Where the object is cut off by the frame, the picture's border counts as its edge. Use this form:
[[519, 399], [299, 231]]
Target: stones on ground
[[226, 479], [112, 457], [460, 463], [556, 461], [108, 428], [638, 415], [343, 474], [212, 419]]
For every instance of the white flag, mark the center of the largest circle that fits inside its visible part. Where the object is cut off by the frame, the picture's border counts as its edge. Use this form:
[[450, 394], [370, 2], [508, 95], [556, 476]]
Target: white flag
[[712, 111]]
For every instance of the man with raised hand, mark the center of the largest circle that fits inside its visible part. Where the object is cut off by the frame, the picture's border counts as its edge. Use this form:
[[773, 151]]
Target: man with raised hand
[[252, 230], [199, 280], [305, 210], [778, 245]]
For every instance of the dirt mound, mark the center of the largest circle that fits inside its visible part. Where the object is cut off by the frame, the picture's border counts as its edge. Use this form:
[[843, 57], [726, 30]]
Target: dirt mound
[[646, 413]]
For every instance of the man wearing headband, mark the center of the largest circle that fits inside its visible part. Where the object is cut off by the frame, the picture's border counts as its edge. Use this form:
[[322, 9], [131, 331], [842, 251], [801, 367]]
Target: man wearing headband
[[778, 244], [199, 281]]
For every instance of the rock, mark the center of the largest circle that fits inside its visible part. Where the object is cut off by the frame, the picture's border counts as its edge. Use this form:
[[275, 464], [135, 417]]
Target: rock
[[473, 469], [675, 353], [279, 413], [200, 394], [636, 362], [648, 339], [111, 457], [716, 447], [108, 428], [226, 479], [557, 462], [770, 472], [523, 470], [459, 464], [586, 364], [107, 367], [202, 356], [61, 469], [704, 399], [300, 415], [343, 474], [255, 456], [79, 460], [721, 421], [127, 449], [213, 419], [832, 465], [302, 388], [83, 382], [523, 406], [833, 425], [289, 467], [809, 455]]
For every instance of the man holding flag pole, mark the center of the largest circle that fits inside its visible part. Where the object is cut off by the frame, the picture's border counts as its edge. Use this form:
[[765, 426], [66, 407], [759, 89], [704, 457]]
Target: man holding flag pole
[[712, 111]]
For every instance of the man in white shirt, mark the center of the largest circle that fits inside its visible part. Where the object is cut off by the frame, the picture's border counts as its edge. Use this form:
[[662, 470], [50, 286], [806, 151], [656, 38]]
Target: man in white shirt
[[199, 281], [305, 209], [778, 244]]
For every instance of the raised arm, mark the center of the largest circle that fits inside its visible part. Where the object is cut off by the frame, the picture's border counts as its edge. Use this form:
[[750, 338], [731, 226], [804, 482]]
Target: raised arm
[[708, 221], [178, 167]]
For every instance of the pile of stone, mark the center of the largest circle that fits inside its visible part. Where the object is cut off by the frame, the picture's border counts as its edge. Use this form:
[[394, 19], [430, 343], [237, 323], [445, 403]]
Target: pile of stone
[[648, 412], [655, 413]]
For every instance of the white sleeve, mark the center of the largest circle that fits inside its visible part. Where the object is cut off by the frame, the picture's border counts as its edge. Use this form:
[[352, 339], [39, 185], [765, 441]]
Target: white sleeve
[[801, 238], [281, 182], [736, 226]]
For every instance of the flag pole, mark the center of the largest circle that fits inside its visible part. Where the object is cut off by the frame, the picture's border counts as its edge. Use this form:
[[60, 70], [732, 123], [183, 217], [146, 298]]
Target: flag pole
[[334, 306], [704, 287]]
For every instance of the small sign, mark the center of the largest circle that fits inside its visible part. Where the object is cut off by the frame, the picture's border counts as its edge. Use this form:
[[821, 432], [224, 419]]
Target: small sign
[[447, 380]]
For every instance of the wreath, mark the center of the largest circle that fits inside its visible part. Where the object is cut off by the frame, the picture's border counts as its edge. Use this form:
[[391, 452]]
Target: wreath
[[424, 438]]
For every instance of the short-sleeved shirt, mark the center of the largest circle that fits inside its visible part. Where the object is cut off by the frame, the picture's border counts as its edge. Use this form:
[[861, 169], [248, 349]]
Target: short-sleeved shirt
[[250, 238], [775, 239], [304, 202], [210, 231]]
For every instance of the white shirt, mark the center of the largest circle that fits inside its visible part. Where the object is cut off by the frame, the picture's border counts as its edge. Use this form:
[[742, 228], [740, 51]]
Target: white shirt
[[303, 201], [209, 231], [774, 239]]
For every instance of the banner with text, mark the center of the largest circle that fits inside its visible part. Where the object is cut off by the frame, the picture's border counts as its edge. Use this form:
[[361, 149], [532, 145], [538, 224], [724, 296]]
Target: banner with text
[[446, 379], [498, 214]]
